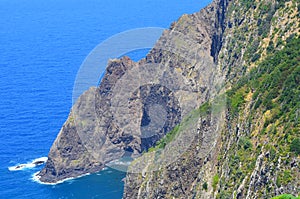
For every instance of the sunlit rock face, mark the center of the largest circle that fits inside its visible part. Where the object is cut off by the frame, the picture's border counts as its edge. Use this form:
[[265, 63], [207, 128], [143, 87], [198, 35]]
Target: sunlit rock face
[[136, 103]]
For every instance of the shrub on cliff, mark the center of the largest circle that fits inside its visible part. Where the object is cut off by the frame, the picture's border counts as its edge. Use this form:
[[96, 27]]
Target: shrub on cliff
[[295, 146], [286, 196]]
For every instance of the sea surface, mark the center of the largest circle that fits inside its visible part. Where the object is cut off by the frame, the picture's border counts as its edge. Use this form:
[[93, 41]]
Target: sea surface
[[42, 45]]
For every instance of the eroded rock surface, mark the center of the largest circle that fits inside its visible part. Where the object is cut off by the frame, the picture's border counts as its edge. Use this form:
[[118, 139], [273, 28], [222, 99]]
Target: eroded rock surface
[[136, 104]]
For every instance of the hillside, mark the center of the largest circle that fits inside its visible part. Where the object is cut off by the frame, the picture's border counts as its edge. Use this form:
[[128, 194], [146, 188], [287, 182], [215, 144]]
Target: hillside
[[256, 154]]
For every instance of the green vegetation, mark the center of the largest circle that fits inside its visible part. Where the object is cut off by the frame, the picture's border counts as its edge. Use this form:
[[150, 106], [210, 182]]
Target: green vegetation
[[284, 178], [161, 144], [205, 186], [264, 25], [236, 100], [245, 143], [295, 146], [286, 196], [190, 119], [223, 195], [205, 108], [275, 84], [271, 94], [267, 96], [263, 103], [215, 182]]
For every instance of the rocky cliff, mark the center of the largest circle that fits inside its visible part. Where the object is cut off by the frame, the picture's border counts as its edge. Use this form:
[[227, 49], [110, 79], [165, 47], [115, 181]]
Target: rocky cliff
[[214, 104], [136, 104], [252, 153]]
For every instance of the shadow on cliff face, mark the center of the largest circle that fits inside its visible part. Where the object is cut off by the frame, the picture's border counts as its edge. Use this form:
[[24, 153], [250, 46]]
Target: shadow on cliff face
[[160, 112]]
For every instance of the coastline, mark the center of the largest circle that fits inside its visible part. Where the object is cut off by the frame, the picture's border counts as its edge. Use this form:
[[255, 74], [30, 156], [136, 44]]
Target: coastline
[[36, 178]]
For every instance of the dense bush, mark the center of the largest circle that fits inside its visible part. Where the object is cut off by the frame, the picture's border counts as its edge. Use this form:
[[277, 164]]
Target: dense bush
[[205, 186], [215, 182], [245, 143], [295, 146], [286, 196]]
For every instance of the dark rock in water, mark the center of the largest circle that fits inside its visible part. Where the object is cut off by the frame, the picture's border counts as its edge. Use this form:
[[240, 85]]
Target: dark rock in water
[[20, 166], [39, 162]]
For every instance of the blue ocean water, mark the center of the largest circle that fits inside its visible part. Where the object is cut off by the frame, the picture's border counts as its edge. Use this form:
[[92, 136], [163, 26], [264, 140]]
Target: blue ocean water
[[42, 45]]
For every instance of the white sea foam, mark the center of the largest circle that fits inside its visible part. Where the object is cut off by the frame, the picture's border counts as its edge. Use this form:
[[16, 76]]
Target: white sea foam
[[36, 178], [28, 165], [105, 168]]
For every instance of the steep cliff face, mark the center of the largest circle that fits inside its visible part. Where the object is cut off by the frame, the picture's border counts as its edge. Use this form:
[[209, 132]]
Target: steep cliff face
[[252, 154], [136, 104]]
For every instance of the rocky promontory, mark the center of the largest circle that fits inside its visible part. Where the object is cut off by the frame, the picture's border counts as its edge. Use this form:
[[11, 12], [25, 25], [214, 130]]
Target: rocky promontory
[[136, 104]]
